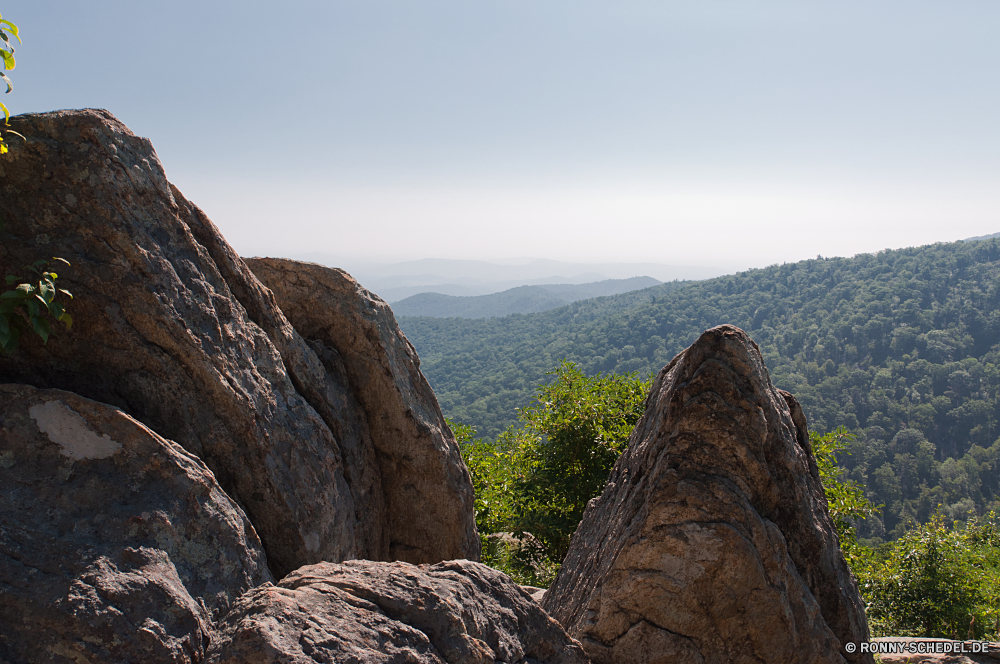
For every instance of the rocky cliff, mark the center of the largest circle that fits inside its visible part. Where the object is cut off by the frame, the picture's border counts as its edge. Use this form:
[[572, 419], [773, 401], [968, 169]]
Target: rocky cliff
[[173, 328]]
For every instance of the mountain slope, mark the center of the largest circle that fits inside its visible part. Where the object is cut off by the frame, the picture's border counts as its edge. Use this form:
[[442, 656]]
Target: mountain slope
[[899, 346], [521, 300]]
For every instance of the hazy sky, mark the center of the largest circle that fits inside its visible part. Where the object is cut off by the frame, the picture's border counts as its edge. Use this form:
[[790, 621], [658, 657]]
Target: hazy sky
[[735, 133]]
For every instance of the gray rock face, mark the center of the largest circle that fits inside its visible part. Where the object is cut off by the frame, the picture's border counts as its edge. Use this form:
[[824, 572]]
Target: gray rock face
[[115, 544], [173, 328], [427, 488], [711, 541], [458, 612]]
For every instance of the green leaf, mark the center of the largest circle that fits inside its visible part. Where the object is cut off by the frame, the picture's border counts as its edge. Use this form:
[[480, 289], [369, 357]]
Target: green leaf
[[41, 327], [10, 86], [66, 293], [8, 58], [6, 114], [12, 28], [61, 260], [10, 345], [66, 319], [13, 294], [12, 278]]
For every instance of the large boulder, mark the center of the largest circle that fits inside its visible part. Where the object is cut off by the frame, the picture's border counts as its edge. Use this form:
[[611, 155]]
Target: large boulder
[[356, 335], [115, 544], [173, 328], [458, 612], [712, 540]]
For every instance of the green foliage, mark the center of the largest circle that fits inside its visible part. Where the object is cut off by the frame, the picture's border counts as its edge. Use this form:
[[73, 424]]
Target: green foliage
[[901, 347], [935, 581], [533, 482], [7, 56], [572, 436], [846, 499], [30, 304]]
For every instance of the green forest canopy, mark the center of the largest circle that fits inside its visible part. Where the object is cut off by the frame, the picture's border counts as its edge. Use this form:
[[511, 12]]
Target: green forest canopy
[[901, 347]]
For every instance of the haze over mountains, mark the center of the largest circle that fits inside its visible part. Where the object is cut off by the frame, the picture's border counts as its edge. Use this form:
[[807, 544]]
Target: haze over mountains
[[397, 281], [520, 300]]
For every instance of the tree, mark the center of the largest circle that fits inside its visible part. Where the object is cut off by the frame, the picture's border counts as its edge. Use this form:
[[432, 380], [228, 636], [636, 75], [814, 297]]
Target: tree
[[936, 581], [846, 500], [533, 482], [573, 433]]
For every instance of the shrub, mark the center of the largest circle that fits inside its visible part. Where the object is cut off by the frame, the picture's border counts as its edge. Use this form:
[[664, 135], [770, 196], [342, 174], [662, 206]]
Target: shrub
[[935, 581]]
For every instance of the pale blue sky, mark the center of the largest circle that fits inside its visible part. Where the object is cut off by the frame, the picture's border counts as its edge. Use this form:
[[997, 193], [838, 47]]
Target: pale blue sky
[[733, 133]]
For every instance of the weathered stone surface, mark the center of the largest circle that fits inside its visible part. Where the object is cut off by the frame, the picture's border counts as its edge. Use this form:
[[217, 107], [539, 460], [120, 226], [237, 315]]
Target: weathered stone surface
[[457, 612], [711, 541], [911, 650], [173, 328], [427, 487], [115, 544]]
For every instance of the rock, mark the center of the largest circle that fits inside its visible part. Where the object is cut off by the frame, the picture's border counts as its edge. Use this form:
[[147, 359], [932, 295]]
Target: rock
[[536, 593], [115, 544], [428, 489], [918, 650], [712, 540], [459, 612], [173, 328]]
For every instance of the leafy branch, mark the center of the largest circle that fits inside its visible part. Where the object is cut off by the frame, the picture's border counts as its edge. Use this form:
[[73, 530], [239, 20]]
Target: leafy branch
[[847, 501], [7, 55], [29, 305]]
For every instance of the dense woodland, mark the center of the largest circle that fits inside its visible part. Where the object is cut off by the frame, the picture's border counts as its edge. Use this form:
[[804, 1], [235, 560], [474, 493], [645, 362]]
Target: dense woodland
[[901, 347]]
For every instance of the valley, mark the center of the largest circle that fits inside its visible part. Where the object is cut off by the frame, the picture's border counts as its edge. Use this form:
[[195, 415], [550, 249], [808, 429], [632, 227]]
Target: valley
[[900, 347]]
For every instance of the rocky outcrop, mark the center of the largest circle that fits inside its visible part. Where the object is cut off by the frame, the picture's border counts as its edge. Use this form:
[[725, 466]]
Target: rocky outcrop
[[356, 335], [457, 612], [115, 544], [173, 328], [711, 541]]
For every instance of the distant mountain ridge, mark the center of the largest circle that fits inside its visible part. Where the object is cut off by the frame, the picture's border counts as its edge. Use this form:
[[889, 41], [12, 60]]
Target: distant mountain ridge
[[901, 347], [520, 300], [981, 237], [396, 281]]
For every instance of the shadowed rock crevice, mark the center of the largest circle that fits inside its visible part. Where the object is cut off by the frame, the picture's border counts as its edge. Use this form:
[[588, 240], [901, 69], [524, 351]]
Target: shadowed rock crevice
[[712, 536]]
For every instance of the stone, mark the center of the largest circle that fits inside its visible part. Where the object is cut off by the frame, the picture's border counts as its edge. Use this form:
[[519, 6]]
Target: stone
[[171, 327], [428, 489], [115, 543], [711, 541], [455, 612], [920, 650]]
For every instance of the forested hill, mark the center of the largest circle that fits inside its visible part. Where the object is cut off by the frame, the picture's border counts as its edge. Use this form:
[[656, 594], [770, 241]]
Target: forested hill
[[899, 346]]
